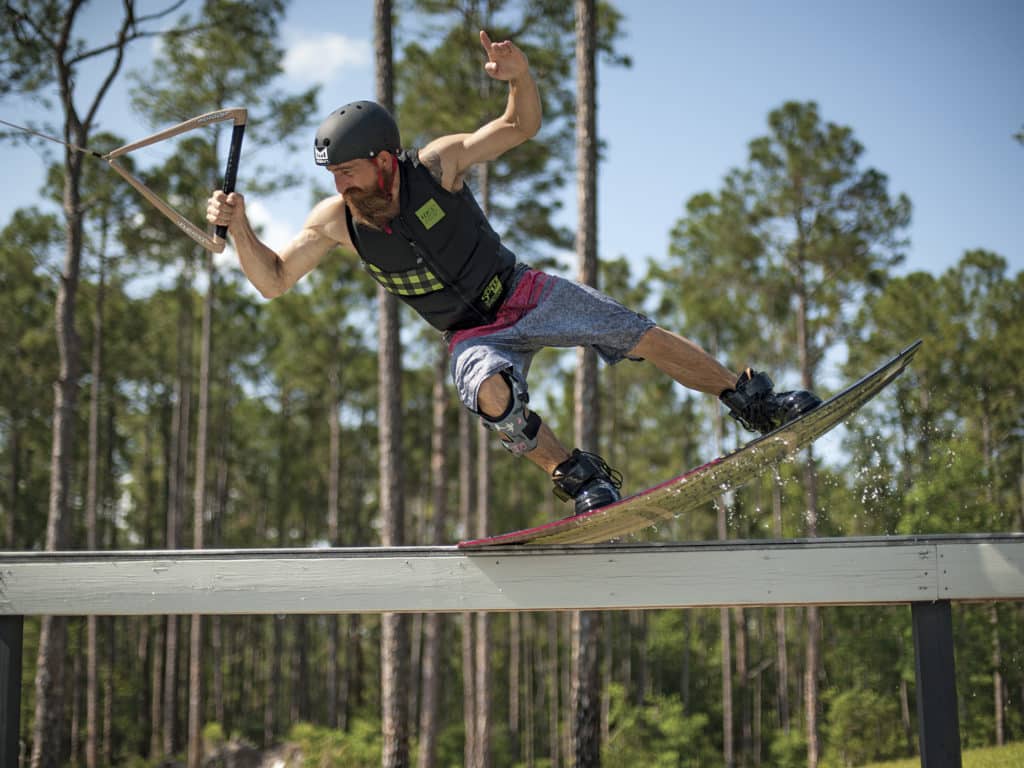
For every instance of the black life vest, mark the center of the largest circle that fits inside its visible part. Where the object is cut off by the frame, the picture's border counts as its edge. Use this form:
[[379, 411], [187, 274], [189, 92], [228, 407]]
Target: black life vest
[[441, 257]]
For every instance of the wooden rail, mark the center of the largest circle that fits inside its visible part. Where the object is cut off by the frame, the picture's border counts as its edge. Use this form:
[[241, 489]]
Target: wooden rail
[[844, 571]]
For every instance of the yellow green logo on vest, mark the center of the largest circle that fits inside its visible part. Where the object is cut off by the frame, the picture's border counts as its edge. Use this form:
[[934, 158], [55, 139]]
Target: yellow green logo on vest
[[491, 293], [429, 213]]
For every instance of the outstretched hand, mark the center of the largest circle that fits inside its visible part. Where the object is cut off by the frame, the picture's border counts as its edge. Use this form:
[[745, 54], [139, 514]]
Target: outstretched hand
[[504, 60]]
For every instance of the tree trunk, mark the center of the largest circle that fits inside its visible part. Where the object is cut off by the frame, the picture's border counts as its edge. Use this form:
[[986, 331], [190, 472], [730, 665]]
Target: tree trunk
[[724, 623], [170, 688], [110, 664], [999, 712], [568, 672], [92, 707], [728, 746], [742, 679], [333, 528], [466, 486], [482, 663], [430, 702], [394, 627], [49, 684], [275, 674], [176, 502], [812, 660], [75, 739], [217, 658], [156, 701], [274, 683], [685, 674], [781, 655], [1020, 496], [482, 673], [554, 677], [58, 53], [300, 671], [908, 723], [587, 688], [195, 676], [217, 623], [352, 681], [586, 624], [515, 665], [13, 483], [150, 649], [533, 695], [108, 660]]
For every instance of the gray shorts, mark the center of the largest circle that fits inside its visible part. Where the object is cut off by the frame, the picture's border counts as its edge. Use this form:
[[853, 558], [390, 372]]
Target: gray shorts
[[542, 310]]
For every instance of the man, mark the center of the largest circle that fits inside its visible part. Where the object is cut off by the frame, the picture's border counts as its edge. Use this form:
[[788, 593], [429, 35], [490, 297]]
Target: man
[[421, 234]]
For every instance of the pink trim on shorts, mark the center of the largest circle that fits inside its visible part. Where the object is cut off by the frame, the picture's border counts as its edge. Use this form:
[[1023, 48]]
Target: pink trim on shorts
[[527, 295]]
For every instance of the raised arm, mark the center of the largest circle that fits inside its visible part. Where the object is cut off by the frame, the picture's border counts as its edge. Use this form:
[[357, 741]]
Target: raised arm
[[520, 121], [271, 273]]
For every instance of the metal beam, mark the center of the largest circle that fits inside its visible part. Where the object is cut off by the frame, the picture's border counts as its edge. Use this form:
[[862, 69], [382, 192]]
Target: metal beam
[[846, 571]]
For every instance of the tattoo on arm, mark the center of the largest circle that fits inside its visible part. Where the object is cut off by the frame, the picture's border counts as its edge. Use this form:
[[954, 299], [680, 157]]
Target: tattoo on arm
[[432, 162]]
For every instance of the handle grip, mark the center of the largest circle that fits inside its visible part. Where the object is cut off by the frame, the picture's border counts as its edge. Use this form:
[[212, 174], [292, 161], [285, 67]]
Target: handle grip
[[231, 172]]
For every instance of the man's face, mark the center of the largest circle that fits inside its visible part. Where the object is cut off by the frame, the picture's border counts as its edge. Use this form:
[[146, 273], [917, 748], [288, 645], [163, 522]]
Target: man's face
[[353, 175], [359, 183]]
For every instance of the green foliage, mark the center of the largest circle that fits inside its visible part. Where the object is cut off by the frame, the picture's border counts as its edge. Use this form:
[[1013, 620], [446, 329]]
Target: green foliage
[[658, 733], [805, 232], [359, 747], [137, 761], [28, 245], [1009, 756], [831, 229], [213, 736], [862, 725], [714, 244], [788, 750]]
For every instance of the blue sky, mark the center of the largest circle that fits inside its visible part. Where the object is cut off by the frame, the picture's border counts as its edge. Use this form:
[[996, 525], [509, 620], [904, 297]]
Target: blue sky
[[933, 90]]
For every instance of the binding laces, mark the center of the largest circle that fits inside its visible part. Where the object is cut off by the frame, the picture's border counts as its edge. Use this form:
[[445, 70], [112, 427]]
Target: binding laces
[[614, 476]]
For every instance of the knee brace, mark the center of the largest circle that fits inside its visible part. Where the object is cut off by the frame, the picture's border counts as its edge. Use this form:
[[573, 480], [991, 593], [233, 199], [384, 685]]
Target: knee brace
[[518, 428]]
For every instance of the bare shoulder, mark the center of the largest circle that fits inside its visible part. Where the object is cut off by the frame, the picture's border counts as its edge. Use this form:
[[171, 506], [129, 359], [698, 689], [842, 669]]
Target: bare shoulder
[[326, 211], [327, 220], [443, 158]]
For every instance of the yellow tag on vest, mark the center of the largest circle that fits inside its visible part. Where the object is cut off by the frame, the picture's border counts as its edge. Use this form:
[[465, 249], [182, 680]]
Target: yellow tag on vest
[[491, 293], [429, 213]]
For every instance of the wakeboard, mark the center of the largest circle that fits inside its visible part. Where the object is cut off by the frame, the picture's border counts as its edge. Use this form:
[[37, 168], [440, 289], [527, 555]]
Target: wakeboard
[[707, 482]]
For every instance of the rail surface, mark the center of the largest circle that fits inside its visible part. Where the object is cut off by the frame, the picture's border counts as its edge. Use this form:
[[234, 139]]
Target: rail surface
[[824, 571]]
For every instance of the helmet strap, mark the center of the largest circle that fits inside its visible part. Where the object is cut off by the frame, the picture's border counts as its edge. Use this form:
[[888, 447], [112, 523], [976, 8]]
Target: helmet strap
[[380, 177]]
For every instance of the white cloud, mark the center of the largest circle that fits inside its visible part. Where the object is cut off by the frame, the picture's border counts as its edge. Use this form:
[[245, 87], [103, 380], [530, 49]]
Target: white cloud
[[319, 58]]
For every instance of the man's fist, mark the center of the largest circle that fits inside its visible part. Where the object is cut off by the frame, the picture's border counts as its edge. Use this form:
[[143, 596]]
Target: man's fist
[[225, 210]]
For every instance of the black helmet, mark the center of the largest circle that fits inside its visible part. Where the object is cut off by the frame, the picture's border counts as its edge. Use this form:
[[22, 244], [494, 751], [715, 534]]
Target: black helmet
[[360, 129]]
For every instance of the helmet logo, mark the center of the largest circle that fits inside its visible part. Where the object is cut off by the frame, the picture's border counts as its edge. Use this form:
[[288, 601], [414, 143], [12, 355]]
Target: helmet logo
[[320, 155]]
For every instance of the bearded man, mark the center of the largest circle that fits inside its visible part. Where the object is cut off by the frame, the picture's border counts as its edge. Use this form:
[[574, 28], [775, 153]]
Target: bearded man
[[419, 232]]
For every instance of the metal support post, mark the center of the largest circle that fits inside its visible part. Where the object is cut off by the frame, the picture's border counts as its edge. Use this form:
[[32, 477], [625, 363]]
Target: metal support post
[[938, 720], [11, 630]]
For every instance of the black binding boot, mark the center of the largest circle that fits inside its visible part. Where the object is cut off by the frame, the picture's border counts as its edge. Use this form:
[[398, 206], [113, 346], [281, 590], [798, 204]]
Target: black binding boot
[[587, 480], [755, 405]]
